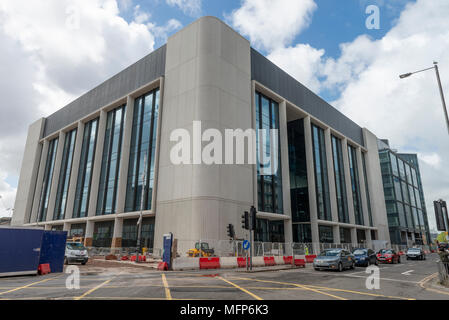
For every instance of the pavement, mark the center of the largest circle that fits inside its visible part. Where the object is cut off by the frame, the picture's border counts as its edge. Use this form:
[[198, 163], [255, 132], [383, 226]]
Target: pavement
[[104, 280]]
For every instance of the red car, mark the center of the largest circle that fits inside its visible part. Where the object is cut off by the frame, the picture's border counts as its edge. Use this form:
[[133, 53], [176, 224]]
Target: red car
[[388, 256]]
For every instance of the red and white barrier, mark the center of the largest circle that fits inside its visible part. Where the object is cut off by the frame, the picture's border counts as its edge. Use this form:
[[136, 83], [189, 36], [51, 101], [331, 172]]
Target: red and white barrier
[[185, 263]]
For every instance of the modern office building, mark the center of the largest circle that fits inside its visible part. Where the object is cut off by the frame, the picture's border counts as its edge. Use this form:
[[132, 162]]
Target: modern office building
[[83, 166], [404, 197]]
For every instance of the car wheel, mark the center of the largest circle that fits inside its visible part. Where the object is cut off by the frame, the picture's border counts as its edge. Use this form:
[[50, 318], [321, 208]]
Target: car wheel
[[399, 259], [340, 267], [353, 266], [408, 258], [316, 269], [84, 263]]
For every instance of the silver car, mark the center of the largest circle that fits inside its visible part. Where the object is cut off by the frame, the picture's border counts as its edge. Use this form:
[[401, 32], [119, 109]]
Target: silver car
[[75, 252], [334, 259]]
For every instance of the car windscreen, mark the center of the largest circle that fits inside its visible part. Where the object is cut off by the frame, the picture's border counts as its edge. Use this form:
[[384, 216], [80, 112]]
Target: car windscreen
[[330, 253], [414, 250], [385, 252], [359, 252], [75, 246]]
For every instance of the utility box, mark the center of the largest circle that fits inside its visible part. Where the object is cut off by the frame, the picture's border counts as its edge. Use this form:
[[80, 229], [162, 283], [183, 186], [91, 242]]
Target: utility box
[[23, 249]]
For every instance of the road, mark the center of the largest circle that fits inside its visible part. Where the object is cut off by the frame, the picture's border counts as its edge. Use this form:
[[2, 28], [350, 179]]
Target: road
[[397, 282]]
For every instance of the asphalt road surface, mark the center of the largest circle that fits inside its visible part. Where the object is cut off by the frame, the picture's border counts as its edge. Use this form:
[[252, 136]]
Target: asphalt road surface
[[403, 281]]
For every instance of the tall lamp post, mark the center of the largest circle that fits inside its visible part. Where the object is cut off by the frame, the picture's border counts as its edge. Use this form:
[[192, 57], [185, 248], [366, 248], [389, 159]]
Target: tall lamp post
[[435, 66]]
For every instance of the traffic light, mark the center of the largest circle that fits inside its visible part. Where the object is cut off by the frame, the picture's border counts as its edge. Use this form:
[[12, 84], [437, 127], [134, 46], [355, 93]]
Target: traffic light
[[231, 232], [245, 220], [253, 217]]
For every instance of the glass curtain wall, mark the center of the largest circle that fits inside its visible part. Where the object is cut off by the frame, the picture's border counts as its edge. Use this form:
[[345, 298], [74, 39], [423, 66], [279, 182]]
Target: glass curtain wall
[[48, 176], [269, 187], [355, 182], [143, 146], [110, 164], [64, 176], [368, 198], [321, 175], [340, 183], [83, 183]]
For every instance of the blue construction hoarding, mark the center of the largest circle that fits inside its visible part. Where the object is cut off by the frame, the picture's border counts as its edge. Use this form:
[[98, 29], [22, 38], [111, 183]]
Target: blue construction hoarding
[[23, 249]]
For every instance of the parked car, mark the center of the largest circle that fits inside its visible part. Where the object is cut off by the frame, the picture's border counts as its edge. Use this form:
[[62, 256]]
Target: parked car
[[388, 256], [364, 257], [334, 259], [75, 252], [415, 253]]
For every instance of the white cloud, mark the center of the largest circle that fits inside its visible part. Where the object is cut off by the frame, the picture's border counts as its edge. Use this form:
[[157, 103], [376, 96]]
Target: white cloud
[[302, 62], [272, 24], [52, 52], [432, 159], [189, 7]]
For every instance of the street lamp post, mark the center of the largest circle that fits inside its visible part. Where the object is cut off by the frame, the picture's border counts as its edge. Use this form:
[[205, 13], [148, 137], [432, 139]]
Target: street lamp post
[[435, 66]]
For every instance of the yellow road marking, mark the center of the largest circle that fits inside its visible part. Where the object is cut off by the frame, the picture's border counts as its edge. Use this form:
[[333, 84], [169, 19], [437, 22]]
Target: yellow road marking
[[306, 287], [242, 289], [93, 289], [28, 285], [427, 279], [167, 289], [299, 286]]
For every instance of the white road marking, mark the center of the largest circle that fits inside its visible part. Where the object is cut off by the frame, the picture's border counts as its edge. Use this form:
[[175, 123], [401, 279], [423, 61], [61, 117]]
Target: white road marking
[[407, 273]]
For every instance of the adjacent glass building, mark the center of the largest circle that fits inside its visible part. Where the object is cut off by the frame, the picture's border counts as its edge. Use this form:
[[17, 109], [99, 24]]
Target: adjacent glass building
[[407, 217]]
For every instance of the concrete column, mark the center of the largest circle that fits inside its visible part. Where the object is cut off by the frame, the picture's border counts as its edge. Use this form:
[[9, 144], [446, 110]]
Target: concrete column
[[283, 135], [96, 169], [88, 237], [336, 232], [311, 183], [55, 178], [124, 158], [47, 227], [74, 171], [362, 187], [331, 175], [344, 145], [40, 178], [28, 174], [118, 232], [66, 227], [369, 241], [354, 236]]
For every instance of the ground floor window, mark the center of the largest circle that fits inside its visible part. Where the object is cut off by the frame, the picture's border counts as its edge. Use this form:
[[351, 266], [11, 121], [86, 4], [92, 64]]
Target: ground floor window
[[361, 236], [373, 235], [103, 232], [326, 234], [57, 228], [77, 230], [345, 235], [302, 233], [269, 231], [129, 235]]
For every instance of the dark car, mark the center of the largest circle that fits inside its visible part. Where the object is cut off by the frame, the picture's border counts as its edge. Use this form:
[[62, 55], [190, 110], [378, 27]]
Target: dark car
[[388, 256], [416, 253], [334, 259], [364, 257]]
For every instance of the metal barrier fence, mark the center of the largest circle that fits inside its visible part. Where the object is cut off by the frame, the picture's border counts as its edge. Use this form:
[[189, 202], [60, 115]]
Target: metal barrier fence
[[234, 248], [443, 272]]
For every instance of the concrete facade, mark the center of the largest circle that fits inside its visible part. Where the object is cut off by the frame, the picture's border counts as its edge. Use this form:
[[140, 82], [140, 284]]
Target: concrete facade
[[209, 73]]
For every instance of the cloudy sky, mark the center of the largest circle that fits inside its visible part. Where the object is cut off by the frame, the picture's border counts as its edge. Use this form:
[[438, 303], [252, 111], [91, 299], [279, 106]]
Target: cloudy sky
[[52, 51]]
